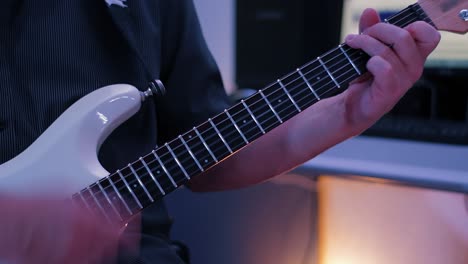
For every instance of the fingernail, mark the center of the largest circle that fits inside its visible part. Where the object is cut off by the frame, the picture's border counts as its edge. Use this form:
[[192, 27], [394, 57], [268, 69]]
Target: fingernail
[[350, 37]]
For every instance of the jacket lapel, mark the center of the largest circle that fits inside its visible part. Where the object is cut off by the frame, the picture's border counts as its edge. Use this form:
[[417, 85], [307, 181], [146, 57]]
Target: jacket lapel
[[137, 22]]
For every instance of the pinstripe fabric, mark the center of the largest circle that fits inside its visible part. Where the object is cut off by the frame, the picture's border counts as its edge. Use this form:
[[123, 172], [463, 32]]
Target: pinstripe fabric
[[53, 52], [49, 61]]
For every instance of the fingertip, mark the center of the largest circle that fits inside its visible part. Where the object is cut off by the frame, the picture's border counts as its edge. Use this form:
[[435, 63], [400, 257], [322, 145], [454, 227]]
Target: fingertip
[[368, 18], [349, 38]]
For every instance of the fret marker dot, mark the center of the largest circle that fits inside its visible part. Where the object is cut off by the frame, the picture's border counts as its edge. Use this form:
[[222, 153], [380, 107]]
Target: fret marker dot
[[318, 78], [158, 172], [135, 186], [190, 137], [244, 121], [206, 161], [279, 101]]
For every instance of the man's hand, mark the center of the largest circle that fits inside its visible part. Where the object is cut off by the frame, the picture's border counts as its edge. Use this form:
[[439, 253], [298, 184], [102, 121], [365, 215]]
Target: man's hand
[[53, 231], [397, 60]]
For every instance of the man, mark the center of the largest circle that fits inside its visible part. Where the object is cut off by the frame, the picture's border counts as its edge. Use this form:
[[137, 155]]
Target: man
[[54, 52]]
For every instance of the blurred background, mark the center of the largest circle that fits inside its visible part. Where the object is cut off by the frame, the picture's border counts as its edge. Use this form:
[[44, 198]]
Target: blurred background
[[392, 195]]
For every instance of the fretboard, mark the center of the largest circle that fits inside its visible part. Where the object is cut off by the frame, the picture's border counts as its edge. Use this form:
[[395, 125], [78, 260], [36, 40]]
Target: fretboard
[[129, 190]]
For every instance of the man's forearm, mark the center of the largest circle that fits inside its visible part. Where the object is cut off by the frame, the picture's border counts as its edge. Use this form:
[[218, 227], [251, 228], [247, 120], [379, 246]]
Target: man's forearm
[[287, 146]]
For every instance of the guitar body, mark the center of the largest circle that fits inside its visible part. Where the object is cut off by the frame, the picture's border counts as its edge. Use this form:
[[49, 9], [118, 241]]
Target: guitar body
[[64, 157]]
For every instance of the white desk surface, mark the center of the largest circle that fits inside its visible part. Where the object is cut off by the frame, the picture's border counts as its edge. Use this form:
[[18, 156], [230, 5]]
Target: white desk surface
[[433, 165]]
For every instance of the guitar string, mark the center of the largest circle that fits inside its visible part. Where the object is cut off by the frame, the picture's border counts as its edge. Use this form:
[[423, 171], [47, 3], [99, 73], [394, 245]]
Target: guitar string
[[247, 115], [431, 5], [131, 183], [285, 78], [297, 79], [260, 100], [223, 130], [123, 187]]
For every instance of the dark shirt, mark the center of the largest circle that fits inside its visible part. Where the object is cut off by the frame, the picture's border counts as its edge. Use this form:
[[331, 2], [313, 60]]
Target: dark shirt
[[53, 52]]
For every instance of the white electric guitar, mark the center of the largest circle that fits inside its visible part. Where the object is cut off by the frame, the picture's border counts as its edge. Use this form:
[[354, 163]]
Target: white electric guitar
[[65, 156]]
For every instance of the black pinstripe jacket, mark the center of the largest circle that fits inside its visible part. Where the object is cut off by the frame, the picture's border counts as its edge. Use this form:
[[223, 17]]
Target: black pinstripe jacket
[[53, 52]]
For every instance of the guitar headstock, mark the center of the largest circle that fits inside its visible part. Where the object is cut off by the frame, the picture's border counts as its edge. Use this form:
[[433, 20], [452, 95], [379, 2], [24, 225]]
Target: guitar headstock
[[447, 15]]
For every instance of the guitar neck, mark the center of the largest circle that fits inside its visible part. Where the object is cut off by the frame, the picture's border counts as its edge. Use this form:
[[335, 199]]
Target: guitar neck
[[131, 189]]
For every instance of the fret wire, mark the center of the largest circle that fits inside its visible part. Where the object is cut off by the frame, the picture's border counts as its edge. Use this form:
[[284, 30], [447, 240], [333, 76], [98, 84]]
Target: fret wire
[[198, 133], [245, 121], [98, 203], [325, 92], [321, 80], [403, 21], [177, 161], [227, 128], [119, 195], [262, 111], [236, 126], [252, 115], [191, 153], [399, 17], [279, 101], [213, 155], [151, 175], [198, 149], [271, 107], [334, 80], [219, 134], [328, 71], [320, 89], [308, 84], [338, 65], [322, 93], [139, 181], [289, 95], [349, 59], [302, 91], [109, 200], [314, 68], [321, 62], [129, 189], [204, 144], [402, 16], [165, 171], [349, 79], [296, 87]]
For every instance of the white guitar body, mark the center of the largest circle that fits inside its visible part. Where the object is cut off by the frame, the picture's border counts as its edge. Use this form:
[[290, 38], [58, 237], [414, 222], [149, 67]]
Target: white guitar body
[[63, 160]]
